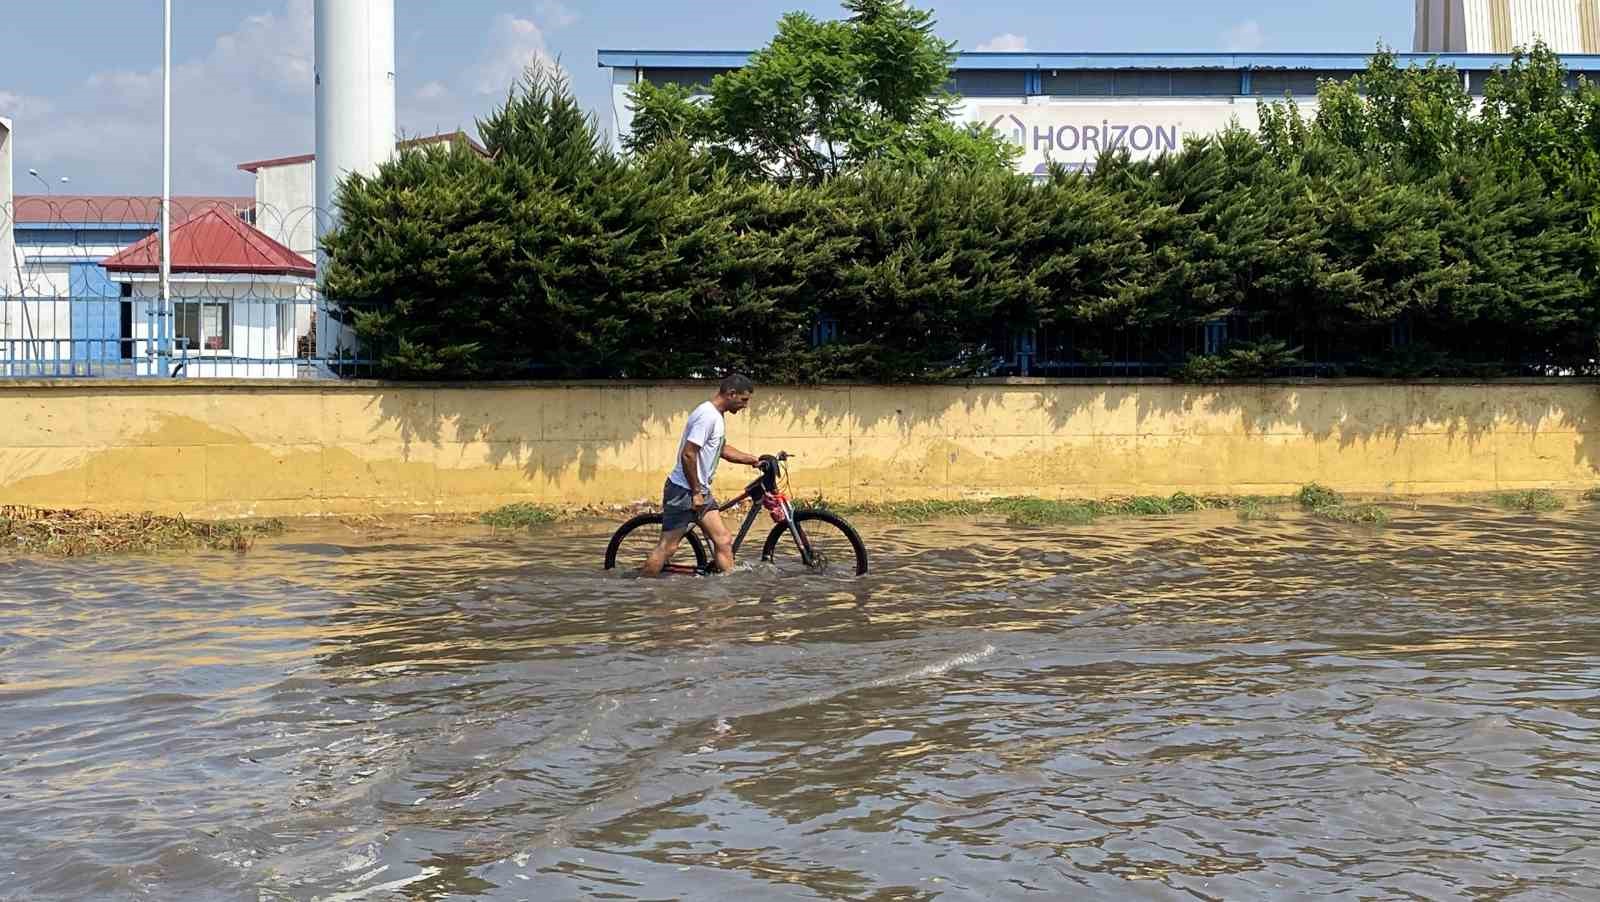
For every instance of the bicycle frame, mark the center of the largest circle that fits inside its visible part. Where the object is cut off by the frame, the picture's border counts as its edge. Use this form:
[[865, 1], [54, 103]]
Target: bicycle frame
[[756, 492]]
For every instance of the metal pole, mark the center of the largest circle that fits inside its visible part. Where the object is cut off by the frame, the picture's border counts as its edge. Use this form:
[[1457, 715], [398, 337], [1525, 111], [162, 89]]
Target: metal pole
[[164, 316]]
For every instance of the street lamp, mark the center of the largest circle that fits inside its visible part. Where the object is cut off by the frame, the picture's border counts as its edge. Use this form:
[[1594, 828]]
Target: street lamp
[[35, 174], [164, 323]]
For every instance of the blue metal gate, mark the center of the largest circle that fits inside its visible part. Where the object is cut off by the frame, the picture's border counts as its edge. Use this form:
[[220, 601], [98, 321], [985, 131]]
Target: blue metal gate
[[96, 315]]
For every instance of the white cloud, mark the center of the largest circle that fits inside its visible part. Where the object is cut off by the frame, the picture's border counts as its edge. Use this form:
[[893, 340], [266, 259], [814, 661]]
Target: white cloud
[[434, 108], [556, 14], [128, 87], [1004, 43], [1244, 37], [515, 45], [18, 106], [250, 95]]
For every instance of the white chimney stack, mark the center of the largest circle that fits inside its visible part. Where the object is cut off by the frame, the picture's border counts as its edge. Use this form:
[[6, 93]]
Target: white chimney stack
[[355, 96], [355, 122]]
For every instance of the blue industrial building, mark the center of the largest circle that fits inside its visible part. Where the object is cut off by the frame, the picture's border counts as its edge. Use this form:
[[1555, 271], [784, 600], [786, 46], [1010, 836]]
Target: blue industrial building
[[1067, 107]]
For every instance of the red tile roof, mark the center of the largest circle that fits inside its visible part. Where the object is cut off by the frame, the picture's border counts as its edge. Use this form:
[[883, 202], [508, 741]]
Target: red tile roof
[[214, 242], [116, 209], [459, 137]]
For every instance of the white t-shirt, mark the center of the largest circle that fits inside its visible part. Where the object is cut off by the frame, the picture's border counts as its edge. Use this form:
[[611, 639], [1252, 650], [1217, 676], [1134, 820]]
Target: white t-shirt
[[707, 430]]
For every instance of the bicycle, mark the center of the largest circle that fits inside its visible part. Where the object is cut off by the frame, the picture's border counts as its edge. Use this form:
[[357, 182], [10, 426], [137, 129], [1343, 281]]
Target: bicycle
[[825, 542]]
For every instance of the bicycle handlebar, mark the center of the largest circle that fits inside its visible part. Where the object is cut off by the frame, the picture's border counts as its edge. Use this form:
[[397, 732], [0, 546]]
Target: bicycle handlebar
[[769, 465]]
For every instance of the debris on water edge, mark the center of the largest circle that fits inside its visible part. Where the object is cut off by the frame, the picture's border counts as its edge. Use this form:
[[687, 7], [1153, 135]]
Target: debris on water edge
[[1030, 511], [73, 533]]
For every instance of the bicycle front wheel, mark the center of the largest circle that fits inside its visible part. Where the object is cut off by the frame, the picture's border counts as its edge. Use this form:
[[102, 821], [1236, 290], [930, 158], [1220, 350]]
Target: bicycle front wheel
[[834, 545]]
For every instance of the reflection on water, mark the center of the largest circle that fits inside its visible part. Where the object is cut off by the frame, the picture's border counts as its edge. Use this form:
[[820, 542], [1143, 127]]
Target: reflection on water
[[1183, 708]]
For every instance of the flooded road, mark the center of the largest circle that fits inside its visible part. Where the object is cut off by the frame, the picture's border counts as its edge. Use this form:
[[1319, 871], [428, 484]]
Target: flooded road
[[1183, 708]]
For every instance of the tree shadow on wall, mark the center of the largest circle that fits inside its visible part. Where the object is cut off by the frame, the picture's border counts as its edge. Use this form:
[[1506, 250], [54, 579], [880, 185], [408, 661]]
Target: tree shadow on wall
[[1356, 412], [556, 431], [559, 430]]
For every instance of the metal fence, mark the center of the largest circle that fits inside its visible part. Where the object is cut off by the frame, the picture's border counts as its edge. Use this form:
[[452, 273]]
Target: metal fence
[[1399, 349], [1160, 351], [78, 298], [196, 337], [80, 292]]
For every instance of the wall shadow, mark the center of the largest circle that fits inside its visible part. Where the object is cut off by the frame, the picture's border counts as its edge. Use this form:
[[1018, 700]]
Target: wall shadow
[[582, 436]]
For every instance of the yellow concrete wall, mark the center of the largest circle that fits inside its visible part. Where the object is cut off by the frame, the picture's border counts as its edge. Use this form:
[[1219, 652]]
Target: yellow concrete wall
[[213, 449]]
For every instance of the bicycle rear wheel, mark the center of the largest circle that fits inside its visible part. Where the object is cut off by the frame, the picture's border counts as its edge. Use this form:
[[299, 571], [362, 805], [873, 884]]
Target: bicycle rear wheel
[[632, 543], [835, 546]]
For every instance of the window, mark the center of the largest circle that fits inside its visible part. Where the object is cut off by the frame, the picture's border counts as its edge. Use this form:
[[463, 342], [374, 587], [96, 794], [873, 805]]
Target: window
[[1142, 82], [699, 80], [1155, 83], [1206, 83], [202, 327], [989, 83], [1478, 80], [125, 333], [1087, 83], [285, 330], [1299, 82]]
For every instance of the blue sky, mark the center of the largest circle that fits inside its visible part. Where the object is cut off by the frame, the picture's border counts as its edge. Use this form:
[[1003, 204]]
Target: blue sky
[[81, 78]]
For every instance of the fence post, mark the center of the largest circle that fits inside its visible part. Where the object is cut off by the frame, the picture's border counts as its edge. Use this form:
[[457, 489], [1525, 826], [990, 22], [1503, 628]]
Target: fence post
[[1400, 332], [824, 332], [1024, 347], [1216, 335]]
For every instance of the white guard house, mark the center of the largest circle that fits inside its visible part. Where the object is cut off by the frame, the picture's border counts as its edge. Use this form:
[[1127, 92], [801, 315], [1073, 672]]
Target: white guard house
[[234, 296]]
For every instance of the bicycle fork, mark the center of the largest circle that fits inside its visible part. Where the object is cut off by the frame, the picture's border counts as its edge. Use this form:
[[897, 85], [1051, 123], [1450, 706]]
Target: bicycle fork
[[807, 556]]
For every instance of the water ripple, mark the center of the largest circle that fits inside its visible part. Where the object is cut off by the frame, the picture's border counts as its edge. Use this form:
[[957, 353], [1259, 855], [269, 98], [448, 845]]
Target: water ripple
[[1185, 707]]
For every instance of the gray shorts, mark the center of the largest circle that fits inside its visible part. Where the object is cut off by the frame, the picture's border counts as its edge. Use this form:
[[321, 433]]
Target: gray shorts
[[677, 507]]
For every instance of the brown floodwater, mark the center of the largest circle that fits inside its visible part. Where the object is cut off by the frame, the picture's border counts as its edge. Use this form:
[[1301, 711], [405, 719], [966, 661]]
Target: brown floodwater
[[1179, 708]]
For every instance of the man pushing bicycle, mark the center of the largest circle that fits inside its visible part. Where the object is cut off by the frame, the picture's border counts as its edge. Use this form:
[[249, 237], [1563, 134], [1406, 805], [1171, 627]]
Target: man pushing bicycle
[[686, 499]]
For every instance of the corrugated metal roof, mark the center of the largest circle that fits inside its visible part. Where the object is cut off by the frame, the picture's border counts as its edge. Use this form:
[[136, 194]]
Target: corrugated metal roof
[[217, 243]]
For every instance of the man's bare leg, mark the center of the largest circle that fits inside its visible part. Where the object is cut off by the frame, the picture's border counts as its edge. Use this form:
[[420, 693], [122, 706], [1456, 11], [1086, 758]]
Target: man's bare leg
[[663, 552], [718, 532]]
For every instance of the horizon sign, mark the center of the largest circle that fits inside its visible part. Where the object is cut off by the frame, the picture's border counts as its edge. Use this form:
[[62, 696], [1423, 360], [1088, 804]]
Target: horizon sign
[[1075, 134]]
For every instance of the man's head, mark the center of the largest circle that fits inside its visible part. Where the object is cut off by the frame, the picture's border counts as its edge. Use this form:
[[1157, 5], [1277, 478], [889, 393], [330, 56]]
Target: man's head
[[733, 394]]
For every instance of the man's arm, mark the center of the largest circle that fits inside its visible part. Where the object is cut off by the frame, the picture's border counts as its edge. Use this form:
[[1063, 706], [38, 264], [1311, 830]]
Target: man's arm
[[690, 458], [734, 456]]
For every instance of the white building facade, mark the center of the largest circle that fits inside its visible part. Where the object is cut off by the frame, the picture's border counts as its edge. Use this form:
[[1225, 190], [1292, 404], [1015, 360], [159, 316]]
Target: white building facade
[[1497, 26], [286, 201], [63, 314], [235, 297], [286, 193], [226, 326]]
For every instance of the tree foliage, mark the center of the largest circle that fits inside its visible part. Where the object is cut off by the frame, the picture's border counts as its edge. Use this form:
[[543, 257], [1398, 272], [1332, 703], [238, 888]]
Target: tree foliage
[[1397, 233], [825, 98]]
